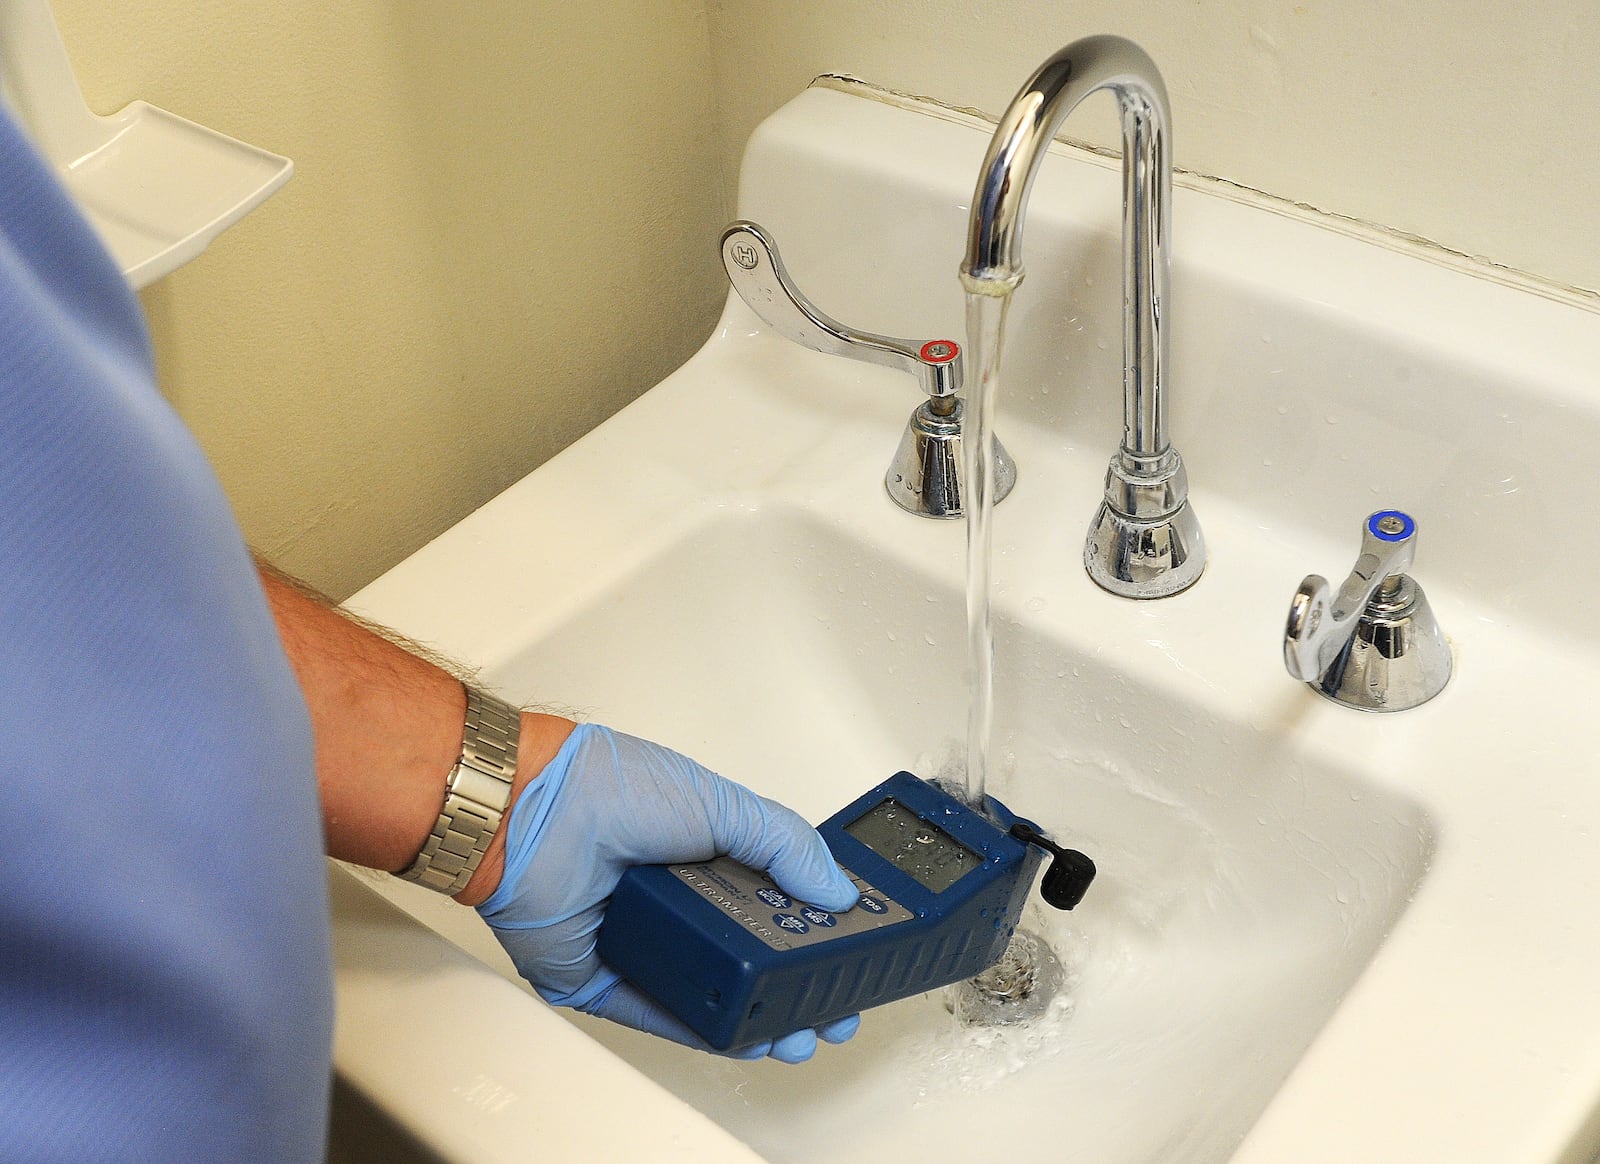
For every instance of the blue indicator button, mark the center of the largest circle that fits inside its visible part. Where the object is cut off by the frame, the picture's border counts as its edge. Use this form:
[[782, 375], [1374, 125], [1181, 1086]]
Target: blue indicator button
[[817, 917], [1390, 525], [872, 904], [774, 898], [787, 921]]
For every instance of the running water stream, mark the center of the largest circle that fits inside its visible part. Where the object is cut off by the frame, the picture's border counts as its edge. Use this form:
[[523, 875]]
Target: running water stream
[[986, 319], [1021, 985]]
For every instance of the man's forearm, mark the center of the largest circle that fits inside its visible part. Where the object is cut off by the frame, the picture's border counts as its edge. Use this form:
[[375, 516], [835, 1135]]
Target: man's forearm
[[388, 727]]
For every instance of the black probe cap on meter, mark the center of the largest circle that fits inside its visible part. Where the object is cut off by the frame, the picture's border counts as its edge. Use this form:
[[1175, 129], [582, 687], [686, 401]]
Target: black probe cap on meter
[[1070, 872]]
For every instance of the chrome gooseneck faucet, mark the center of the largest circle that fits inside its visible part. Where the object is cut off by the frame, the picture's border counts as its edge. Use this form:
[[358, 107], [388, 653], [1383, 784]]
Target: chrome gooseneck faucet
[[1145, 541]]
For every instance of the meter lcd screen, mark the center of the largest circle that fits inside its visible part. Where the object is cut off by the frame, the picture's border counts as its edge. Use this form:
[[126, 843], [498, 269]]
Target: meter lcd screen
[[931, 856]]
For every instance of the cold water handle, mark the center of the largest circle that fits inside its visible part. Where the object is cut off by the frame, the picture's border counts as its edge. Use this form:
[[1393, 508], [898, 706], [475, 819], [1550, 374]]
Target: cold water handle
[[1375, 645]]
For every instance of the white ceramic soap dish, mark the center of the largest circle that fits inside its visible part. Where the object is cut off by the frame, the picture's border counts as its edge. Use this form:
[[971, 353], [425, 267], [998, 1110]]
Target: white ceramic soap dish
[[157, 187]]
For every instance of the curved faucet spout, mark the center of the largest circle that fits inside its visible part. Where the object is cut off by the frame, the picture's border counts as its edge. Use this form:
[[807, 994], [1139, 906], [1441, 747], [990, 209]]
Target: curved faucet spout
[[1145, 542]]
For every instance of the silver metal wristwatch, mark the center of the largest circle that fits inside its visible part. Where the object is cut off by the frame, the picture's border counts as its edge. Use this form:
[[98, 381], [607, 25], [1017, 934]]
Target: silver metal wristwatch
[[475, 797]]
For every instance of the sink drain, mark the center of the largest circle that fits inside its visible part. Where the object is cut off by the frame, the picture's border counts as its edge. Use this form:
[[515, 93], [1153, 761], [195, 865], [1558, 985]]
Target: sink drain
[[1015, 989]]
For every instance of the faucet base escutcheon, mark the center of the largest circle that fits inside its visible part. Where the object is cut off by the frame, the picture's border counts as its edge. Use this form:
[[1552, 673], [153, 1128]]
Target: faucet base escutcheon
[[1398, 657], [926, 474], [1145, 541], [1144, 559]]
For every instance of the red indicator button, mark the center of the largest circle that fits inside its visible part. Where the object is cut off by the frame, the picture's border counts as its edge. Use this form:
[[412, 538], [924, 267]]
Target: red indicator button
[[940, 351]]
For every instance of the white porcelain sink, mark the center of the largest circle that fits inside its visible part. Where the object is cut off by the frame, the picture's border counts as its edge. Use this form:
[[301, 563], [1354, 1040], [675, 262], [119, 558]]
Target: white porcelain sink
[[1317, 935]]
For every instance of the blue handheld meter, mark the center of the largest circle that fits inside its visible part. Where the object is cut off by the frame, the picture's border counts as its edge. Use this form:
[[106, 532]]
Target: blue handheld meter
[[738, 961]]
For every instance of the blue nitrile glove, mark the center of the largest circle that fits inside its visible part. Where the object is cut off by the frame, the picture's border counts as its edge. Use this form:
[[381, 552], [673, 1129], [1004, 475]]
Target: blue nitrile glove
[[607, 801]]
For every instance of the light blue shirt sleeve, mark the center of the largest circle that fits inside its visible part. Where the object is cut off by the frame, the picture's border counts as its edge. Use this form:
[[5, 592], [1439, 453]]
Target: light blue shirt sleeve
[[165, 983]]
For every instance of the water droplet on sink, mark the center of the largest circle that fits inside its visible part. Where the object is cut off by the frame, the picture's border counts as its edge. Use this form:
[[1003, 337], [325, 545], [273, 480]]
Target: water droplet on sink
[[929, 639]]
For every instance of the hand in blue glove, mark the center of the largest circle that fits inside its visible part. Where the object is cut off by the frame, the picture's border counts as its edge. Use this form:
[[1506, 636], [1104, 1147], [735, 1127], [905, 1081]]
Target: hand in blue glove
[[607, 801]]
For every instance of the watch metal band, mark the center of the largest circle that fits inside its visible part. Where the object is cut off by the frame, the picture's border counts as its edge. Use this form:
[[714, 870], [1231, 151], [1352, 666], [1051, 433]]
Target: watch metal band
[[477, 792]]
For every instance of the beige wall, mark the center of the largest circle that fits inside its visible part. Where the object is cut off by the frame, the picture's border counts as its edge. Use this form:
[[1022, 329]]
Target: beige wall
[[502, 222], [1469, 124], [501, 229]]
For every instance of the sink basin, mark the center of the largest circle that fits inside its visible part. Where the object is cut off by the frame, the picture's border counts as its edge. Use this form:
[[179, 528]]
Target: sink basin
[[1317, 935], [1242, 883]]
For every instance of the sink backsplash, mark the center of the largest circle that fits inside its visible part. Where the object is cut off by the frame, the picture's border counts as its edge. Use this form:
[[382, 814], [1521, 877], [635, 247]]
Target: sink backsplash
[[1356, 396]]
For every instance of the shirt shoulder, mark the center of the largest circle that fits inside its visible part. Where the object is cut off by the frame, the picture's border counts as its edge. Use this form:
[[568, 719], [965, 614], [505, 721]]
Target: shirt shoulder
[[166, 969]]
